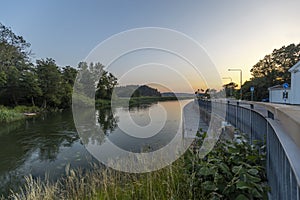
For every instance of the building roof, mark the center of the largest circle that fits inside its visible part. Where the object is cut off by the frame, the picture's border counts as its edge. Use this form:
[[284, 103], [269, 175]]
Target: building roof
[[295, 67], [277, 87]]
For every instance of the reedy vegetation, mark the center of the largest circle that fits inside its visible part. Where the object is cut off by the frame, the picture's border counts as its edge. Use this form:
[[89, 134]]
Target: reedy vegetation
[[232, 170]]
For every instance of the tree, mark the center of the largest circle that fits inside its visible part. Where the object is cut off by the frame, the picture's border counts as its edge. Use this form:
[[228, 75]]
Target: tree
[[230, 89], [14, 61], [50, 82], [106, 85], [272, 70], [68, 78], [29, 83]]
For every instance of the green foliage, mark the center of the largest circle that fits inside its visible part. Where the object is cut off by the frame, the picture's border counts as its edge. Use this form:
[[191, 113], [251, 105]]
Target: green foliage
[[106, 85], [232, 170], [50, 81], [230, 90], [27, 109], [9, 115], [137, 91], [272, 70]]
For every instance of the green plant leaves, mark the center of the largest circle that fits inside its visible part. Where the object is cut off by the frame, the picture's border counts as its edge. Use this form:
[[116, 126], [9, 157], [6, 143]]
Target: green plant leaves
[[205, 171], [232, 170], [241, 197], [253, 171], [242, 185], [208, 185]]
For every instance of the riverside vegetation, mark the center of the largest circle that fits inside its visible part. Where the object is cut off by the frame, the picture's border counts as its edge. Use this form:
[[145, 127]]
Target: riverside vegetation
[[234, 169], [17, 113]]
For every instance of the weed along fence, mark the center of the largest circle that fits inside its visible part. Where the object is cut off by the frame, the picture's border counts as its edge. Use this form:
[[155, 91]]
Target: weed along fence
[[282, 153]]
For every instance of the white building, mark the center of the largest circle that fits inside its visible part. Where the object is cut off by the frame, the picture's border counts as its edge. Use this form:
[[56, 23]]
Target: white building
[[276, 93], [295, 83]]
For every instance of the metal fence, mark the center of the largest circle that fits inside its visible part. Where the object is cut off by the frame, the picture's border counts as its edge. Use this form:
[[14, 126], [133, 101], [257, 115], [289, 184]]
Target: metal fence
[[282, 163]]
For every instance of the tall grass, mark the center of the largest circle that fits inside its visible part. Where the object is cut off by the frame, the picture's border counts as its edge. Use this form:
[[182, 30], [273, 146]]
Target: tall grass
[[9, 115], [223, 174], [100, 183], [14, 114]]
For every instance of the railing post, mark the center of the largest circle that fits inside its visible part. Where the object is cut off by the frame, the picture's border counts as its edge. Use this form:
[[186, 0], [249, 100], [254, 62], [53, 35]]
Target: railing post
[[227, 112], [236, 114], [251, 122]]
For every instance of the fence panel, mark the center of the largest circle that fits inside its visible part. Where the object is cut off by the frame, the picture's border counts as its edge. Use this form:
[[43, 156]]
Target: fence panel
[[281, 177]]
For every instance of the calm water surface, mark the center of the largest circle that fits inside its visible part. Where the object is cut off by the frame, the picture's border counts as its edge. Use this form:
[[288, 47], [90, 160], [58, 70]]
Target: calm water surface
[[46, 144]]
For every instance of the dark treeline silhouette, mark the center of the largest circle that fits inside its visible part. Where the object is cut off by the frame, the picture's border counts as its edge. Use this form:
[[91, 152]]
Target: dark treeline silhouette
[[41, 83], [271, 70], [137, 91]]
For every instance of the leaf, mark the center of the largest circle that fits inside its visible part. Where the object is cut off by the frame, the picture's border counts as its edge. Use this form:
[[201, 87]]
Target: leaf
[[256, 193], [251, 158], [241, 197], [224, 168], [205, 171], [242, 185], [236, 169], [208, 185], [251, 178], [253, 171]]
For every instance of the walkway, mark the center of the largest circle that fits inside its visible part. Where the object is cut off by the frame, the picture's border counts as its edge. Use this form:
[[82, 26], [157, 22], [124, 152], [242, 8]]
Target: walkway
[[192, 121]]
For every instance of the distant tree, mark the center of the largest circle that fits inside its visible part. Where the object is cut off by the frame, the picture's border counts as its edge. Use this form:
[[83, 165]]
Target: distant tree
[[272, 70], [68, 78], [29, 83], [230, 89], [106, 85], [145, 90], [50, 81]]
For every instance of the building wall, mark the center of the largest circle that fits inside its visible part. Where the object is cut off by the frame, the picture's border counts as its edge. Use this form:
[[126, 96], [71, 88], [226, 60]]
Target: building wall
[[275, 96], [295, 87]]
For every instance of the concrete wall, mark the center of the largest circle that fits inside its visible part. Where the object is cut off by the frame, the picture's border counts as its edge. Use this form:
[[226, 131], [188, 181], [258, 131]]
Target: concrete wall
[[275, 96]]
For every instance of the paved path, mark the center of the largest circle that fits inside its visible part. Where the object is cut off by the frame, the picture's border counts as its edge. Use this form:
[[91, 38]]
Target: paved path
[[192, 121]]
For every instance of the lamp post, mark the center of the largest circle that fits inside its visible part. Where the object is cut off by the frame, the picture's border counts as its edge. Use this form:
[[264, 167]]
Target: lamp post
[[241, 80], [230, 82]]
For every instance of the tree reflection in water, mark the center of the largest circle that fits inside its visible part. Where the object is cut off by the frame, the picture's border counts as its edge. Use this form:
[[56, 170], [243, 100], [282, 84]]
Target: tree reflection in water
[[107, 120]]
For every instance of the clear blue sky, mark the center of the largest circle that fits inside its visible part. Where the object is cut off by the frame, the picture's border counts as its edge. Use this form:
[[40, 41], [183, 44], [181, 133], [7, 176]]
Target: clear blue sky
[[235, 33]]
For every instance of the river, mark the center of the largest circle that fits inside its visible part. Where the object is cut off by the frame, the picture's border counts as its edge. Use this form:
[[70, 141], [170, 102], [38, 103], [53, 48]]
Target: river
[[48, 143]]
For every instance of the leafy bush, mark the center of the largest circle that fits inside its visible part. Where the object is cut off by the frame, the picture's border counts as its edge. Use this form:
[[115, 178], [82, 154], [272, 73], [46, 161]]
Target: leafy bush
[[27, 109], [9, 115], [232, 170]]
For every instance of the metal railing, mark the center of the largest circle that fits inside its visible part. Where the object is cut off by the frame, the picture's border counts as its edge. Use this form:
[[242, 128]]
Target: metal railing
[[283, 167]]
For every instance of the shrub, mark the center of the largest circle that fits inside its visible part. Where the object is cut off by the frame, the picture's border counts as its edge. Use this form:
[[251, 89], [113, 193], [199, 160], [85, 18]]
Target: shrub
[[9, 115], [27, 109], [232, 170]]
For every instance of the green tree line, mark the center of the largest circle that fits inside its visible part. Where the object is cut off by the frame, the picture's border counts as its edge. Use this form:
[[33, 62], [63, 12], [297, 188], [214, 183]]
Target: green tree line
[[41, 83], [270, 71]]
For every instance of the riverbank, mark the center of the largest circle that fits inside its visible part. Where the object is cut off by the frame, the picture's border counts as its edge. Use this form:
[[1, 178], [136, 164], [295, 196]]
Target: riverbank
[[135, 101], [17, 113], [232, 170]]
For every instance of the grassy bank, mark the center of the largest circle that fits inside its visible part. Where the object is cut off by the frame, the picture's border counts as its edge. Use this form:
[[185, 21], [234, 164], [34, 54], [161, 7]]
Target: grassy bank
[[232, 170], [14, 114]]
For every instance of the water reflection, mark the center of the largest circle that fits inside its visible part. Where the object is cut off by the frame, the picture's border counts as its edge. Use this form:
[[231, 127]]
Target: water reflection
[[37, 146], [50, 142], [117, 126], [107, 120]]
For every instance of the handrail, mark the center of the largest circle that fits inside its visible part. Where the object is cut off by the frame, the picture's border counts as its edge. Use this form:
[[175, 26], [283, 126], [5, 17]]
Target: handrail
[[283, 165]]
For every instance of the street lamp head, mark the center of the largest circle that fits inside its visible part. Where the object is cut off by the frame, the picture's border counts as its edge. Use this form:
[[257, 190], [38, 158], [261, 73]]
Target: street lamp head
[[234, 70]]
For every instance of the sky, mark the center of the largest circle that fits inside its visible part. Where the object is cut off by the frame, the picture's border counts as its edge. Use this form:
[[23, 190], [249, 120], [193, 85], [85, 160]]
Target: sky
[[233, 33]]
